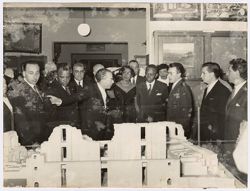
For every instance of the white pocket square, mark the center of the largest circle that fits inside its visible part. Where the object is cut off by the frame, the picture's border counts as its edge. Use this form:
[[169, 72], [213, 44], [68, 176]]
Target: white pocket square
[[158, 94], [237, 105]]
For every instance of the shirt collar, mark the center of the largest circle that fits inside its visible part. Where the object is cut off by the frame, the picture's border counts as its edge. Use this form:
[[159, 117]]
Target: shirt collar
[[77, 81], [31, 85], [101, 88], [152, 83], [174, 84], [237, 88], [211, 85]]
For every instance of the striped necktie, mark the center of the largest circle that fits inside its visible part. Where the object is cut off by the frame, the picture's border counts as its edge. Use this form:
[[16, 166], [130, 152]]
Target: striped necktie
[[37, 91]]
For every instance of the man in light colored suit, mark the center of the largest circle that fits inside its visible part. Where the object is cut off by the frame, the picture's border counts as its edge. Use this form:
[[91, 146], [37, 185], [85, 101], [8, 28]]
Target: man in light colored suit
[[236, 108], [236, 111]]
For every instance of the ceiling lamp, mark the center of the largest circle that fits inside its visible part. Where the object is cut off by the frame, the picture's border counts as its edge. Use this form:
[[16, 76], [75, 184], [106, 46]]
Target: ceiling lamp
[[83, 28]]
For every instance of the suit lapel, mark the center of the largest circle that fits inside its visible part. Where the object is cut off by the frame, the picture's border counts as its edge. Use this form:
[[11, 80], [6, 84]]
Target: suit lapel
[[211, 92], [175, 88], [98, 93], [32, 91], [233, 100]]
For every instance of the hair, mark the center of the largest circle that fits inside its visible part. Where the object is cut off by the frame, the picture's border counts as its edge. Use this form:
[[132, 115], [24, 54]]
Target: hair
[[133, 61], [213, 67], [179, 67], [127, 67], [154, 67], [79, 64], [24, 65], [162, 66], [63, 67], [240, 65], [100, 74]]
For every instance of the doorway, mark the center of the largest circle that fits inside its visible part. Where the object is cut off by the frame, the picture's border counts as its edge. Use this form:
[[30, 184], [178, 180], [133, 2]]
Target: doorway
[[89, 60]]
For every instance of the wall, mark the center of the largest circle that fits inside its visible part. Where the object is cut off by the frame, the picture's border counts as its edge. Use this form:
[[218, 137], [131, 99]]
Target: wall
[[60, 25], [186, 26]]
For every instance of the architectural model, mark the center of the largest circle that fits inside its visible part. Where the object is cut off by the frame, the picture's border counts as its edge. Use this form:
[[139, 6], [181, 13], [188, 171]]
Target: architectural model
[[139, 155]]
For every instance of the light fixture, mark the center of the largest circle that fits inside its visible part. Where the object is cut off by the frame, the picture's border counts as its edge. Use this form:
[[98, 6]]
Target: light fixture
[[83, 28]]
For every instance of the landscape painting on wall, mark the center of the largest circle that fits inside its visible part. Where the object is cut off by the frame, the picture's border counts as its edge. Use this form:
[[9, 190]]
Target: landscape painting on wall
[[179, 52], [22, 37]]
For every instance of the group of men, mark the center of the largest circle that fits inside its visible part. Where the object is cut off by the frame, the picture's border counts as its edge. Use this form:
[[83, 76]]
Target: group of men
[[161, 95]]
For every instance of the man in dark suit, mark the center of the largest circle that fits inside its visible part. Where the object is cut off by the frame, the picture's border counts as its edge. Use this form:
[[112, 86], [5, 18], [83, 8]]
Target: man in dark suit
[[8, 119], [79, 79], [29, 106], [98, 116], [136, 79], [236, 111], [67, 112], [151, 97], [78, 82], [213, 103], [180, 100]]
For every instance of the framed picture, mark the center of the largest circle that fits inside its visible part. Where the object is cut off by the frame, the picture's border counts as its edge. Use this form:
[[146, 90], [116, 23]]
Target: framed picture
[[175, 11], [142, 60], [22, 37], [179, 52], [225, 12]]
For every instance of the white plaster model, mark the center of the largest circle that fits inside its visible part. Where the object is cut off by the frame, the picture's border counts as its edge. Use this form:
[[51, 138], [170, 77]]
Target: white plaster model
[[139, 155]]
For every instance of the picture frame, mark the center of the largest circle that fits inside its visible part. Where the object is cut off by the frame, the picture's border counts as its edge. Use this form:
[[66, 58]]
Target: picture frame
[[175, 11], [179, 52], [225, 12], [22, 37], [142, 60]]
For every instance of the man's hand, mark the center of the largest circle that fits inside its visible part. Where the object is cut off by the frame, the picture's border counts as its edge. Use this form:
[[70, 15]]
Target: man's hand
[[99, 125], [54, 100], [149, 119]]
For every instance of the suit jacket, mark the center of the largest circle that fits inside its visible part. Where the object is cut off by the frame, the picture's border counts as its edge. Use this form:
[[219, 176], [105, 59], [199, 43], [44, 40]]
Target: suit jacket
[[180, 106], [236, 112], [213, 111], [153, 104], [29, 114], [75, 87], [67, 112], [7, 118], [97, 121], [139, 80]]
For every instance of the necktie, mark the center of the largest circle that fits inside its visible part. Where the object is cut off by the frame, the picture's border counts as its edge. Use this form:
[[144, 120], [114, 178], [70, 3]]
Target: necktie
[[67, 90], [37, 91], [149, 88], [133, 81], [205, 93], [80, 84]]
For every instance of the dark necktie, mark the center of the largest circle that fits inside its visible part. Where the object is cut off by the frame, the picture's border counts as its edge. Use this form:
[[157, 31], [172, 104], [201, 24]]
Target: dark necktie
[[204, 94], [80, 84]]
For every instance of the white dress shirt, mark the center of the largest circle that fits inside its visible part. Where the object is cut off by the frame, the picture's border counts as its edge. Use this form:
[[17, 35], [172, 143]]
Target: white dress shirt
[[165, 81], [210, 86], [152, 85], [237, 88], [174, 84], [104, 94], [77, 82], [7, 102]]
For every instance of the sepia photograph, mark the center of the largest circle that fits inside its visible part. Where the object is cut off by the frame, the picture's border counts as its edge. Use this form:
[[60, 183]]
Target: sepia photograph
[[124, 95]]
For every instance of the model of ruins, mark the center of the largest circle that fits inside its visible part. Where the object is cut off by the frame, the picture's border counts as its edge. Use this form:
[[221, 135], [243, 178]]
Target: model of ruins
[[139, 155]]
